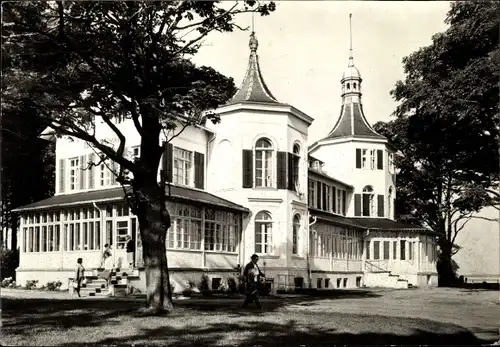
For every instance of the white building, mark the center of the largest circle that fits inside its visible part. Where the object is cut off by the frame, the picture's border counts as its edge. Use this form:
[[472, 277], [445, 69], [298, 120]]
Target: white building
[[321, 215]]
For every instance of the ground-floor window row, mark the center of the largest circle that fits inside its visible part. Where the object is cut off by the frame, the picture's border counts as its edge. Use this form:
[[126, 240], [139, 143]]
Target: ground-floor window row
[[80, 229], [339, 243], [400, 250]]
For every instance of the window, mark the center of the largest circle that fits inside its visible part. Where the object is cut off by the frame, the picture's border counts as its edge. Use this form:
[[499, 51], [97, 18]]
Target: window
[[295, 234], [389, 203], [367, 249], [73, 173], [82, 229], [376, 250], [327, 282], [410, 250], [368, 204], [263, 163], [403, 250], [295, 166], [183, 162], [391, 162], [263, 233], [387, 245], [364, 158], [318, 283], [395, 250], [312, 193], [40, 234], [373, 159], [326, 197], [136, 152], [104, 175], [220, 230]]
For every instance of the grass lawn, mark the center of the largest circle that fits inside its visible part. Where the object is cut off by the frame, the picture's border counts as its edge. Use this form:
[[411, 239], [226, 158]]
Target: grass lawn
[[416, 316]]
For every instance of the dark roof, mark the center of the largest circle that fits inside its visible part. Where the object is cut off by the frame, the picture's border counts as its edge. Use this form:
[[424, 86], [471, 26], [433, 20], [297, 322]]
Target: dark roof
[[328, 177], [176, 193], [352, 122], [365, 223], [253, 88]]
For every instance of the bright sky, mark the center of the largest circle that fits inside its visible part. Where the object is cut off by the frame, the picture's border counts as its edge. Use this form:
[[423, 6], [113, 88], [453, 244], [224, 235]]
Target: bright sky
[[304, 49]]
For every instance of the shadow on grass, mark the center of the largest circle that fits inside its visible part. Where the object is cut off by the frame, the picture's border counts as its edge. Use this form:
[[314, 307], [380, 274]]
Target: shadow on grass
[[22, 316], [288, 334]]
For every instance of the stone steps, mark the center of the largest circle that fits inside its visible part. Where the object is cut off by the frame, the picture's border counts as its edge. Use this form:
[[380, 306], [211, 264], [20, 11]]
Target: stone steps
[[96, 286]]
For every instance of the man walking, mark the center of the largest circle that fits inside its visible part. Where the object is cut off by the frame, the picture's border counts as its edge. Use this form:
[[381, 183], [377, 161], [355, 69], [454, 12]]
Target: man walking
[[252, 276]]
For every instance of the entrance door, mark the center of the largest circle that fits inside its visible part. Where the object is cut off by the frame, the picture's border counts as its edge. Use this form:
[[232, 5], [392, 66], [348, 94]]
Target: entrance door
[[122, 228]]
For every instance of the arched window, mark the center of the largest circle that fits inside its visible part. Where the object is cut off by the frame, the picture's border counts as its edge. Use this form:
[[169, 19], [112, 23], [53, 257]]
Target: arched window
[[354, 86], [263, 233], [368, 202], [389, 203], [263, 163], [348, 86], [295, 234], [295, 166]]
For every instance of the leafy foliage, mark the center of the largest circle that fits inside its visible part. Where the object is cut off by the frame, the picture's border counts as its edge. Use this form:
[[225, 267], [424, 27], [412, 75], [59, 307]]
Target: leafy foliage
[[77, 64], [447, 124]]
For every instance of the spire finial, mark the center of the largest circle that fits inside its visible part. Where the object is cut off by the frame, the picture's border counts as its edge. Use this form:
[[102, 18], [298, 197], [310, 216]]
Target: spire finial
[[253, 40], [351, 63]]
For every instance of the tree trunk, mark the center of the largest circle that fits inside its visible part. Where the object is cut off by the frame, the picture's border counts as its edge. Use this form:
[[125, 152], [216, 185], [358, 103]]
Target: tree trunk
[[154, 222], [446, 274]]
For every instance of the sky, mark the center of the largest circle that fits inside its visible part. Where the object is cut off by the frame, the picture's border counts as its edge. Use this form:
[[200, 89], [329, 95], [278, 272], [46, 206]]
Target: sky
[[304, 50]]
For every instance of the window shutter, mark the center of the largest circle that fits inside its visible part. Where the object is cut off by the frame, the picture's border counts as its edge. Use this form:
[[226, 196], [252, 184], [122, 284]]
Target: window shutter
[[366, 205], [323, 207], [318, 195], [166, 164], [91, 182], [281, 169], [291, 183], [199, 170], [247, 161], [83, 165], [114, 171], [62, 175], [357, 205], [358, 158], [334, 200], [380, 206], [380, 159], [344, 198]]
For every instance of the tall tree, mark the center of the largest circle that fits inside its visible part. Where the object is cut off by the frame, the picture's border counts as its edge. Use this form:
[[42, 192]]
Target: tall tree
[[27, 168], [447, 125], [75, 62]]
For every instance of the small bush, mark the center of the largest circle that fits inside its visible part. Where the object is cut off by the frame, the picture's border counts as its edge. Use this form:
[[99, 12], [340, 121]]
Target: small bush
[[8, 283], [53, 286], [187, 292], [223, 288], [233, 286], [9, 261], [204, 285], [241, 284], [31, 284]]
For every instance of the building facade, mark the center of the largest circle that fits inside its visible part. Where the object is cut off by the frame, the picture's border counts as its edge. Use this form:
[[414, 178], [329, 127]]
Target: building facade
[[319, 215]]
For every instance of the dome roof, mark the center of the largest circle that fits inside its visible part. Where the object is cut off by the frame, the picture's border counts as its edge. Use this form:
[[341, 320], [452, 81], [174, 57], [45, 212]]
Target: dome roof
[[351, 72]]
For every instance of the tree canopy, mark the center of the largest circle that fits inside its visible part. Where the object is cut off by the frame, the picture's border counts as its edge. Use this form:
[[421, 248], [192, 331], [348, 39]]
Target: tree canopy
[[447, 124], [76, 62]]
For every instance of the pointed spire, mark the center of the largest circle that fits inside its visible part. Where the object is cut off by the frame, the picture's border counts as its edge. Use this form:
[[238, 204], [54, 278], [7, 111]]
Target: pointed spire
[[351, 58], [253, 88]]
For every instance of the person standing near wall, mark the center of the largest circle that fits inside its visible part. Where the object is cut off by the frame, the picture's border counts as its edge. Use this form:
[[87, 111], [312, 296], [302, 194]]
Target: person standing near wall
[[79, 275], [130, 251]]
